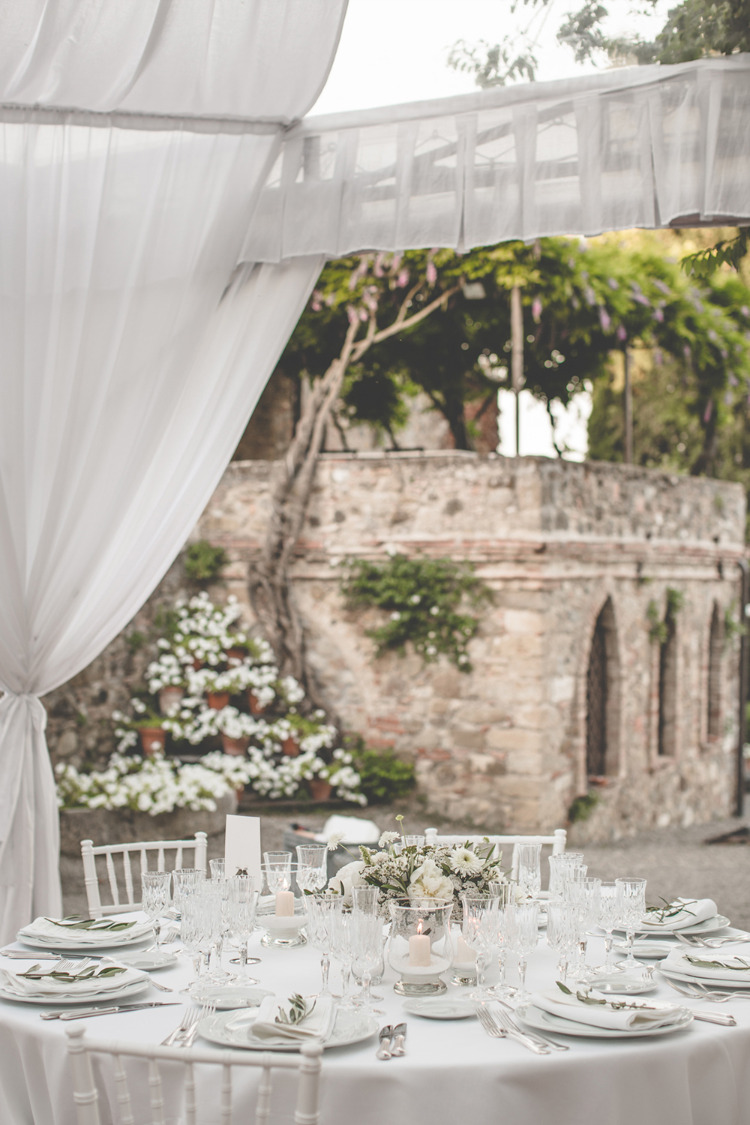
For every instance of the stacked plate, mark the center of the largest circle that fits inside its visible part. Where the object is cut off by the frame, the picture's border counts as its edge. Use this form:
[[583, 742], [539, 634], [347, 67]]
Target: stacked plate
[[684, 916], [713, 967], [82, 986], [596, 1016], [80, 935]]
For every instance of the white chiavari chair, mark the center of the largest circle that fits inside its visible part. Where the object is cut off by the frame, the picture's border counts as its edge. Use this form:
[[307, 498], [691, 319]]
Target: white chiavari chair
[[188, 1085], [123, 865]]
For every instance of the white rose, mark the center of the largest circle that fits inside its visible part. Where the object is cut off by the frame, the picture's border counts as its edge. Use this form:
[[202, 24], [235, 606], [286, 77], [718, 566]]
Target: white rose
[[428, 881], [350, 875]]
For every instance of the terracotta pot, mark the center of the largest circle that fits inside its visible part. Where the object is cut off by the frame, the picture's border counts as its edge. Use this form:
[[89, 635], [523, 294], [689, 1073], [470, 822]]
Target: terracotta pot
[[217, 700], [320, 789], [236, 746], [170, 699], [256, 707], [153, 740], [290, 746]]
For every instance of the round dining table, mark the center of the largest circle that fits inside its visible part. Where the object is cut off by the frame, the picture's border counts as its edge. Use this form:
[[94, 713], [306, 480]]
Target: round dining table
[[452, 1072]]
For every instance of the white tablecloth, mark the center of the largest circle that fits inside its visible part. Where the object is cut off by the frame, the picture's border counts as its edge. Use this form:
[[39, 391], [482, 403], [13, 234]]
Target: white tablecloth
[[452, 1071]]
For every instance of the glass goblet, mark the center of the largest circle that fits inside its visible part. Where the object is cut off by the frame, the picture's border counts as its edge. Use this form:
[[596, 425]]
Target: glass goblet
[[528, 857], [562, 934], [312, 867], [607, 921]]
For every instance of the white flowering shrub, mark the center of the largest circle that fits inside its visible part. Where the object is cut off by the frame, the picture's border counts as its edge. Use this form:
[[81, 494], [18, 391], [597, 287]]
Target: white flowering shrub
[[204, 651]]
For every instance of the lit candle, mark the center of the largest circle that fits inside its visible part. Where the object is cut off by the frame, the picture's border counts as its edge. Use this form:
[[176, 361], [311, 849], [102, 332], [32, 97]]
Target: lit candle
[[284, 904], [419, 948], [465, 955]]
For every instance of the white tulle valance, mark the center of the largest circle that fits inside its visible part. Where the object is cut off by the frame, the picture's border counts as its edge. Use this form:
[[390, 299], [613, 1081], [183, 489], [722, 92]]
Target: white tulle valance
[[638, 147]]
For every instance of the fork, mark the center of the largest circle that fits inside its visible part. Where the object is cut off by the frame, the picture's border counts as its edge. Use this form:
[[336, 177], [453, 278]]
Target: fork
[[509, 1013], [207, 1008], [710, 943], [499, 1031], [184, 1026]]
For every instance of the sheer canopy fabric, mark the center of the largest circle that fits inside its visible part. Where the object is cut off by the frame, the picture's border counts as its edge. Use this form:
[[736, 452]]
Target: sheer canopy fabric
[[259, 59], [135, 342], [638, 147]]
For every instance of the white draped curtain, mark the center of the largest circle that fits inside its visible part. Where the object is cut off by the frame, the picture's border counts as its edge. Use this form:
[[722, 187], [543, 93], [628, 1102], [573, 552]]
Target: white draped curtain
[[135, 341]]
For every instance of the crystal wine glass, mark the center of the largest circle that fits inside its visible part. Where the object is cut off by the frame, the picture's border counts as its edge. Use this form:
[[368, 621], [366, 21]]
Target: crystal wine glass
[[523, 923], [242, 901], [367, 940], [529, 869], [479, 929], [155, 895], [631, 907], [312, 867]]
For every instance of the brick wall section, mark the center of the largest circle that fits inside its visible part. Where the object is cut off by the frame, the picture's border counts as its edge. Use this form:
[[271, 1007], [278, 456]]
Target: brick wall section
[[505, 746]]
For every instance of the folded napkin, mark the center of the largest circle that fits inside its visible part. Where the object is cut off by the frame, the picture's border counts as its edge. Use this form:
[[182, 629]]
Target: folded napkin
[[316, 1025], [615, 1015], [710, 964], [680, 914], [48, 987], [108, 931]]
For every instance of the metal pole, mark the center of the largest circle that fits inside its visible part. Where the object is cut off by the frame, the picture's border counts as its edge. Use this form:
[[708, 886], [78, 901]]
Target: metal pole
[[516, 355], [628, 411]]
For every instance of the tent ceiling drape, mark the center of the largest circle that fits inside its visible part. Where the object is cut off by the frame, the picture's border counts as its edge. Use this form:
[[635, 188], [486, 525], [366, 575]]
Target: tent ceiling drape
[[639, 147], [151, 157]]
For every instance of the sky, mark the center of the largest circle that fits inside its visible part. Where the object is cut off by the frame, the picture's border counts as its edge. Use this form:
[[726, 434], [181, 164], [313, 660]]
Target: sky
[[395, 51]]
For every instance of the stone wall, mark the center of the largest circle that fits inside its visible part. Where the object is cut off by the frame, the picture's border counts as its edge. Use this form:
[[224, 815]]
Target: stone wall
[[505, 747]]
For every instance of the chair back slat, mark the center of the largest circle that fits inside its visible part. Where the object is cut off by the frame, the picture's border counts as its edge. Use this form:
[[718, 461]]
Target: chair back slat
[[263, 1104], [226, 1095], [112, 875], [124, 893], [128, 875], [191, 1102], [137, 1073], [122, 1093]]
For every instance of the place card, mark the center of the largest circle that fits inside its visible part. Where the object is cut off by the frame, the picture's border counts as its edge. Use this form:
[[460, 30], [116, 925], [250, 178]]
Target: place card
[[242, 847]]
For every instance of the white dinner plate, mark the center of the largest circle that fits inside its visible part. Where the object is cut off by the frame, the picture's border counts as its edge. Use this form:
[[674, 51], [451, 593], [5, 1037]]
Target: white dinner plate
[[135, 988], [614, 986], [150, 960], [721, 984], [709, 926], [648, 948], [350, 1027], [228, 997], [440, 1007], [40, 934], [545, 1021]]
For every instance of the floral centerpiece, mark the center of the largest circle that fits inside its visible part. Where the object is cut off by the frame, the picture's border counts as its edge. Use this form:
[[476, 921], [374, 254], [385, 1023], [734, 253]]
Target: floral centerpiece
[[412, 873]]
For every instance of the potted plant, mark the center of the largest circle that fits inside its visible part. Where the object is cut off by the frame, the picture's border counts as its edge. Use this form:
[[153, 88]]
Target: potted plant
[[146, 726]]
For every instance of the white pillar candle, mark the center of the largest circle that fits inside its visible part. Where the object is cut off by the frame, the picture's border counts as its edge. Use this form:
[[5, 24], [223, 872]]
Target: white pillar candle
[[465, 955], [284, 904], [419, 950]]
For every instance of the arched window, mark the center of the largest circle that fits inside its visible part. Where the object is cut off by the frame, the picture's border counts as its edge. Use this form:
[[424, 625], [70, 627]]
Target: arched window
[[602, 697], [667, 744], [713, 701]]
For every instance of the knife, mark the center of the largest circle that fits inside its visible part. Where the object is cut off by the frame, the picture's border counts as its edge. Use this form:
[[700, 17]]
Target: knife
[[79, 1015], [399, 1035], [385, 1036]]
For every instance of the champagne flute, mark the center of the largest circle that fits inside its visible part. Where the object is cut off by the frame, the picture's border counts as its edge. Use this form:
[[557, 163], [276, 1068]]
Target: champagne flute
[[367, 940], [155, 896], [321, 910], [524, 936], [242, 904]]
